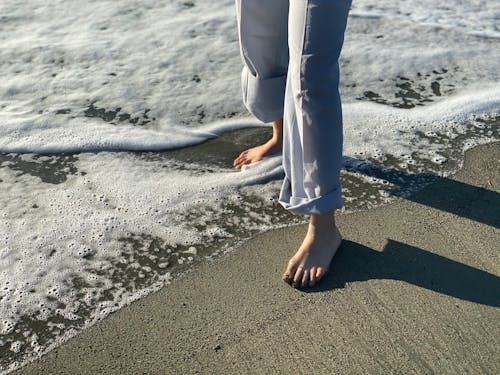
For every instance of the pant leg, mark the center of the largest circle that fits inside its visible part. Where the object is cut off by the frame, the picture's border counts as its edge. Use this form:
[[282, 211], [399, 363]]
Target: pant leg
[[312, 145], [262, 26]]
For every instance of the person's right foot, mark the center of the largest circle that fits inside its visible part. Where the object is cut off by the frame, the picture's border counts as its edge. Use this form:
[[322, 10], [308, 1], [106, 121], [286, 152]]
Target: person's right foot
[[312, 260], [255, 154]]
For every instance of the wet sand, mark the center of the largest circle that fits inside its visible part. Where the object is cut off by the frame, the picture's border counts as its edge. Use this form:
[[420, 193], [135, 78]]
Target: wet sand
[[413, 289]]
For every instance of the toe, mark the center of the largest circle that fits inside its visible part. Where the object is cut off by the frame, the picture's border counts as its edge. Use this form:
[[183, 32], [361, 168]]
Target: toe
[[245, 160], [312, 277], [287, 277], [290, 272], [320, 272], [305, 279], [239, 162], [297, 278], [242, 155]]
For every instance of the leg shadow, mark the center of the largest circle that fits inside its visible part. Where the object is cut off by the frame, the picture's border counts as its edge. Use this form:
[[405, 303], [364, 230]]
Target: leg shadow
[[472, 202], [398, 261]]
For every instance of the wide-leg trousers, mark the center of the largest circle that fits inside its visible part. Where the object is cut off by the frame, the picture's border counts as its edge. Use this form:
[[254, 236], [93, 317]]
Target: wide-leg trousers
[[291, 50]]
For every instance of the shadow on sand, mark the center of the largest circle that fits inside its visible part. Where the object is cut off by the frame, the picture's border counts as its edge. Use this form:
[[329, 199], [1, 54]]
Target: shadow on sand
[[468, 201], [399, 261]]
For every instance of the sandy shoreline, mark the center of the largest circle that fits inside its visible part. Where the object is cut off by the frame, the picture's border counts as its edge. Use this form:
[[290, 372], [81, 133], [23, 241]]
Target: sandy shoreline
[[414, 289]]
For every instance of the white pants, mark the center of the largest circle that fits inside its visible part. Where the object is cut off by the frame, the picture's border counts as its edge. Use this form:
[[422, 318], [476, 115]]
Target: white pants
[[291, 52]]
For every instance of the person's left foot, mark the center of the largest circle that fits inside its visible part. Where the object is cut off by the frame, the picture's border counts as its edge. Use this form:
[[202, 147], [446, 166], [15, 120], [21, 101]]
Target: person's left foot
[[311, 262], [255, 154]]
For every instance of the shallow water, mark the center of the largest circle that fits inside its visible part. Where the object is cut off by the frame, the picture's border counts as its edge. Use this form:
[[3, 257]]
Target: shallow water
[[119, 124]]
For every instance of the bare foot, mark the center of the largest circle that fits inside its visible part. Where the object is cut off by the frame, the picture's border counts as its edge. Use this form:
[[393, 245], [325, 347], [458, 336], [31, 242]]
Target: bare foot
[[311, 262], [255, 154], [274, 145]]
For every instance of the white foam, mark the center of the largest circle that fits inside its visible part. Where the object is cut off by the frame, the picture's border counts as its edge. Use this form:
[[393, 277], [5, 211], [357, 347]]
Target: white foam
[[50, 134], [56, 61], [372, 128], [368, 127], [478, 17]]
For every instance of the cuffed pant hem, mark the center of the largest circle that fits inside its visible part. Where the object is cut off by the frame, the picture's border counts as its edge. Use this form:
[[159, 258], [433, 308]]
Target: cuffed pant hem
[[307, 206], [263, 97]]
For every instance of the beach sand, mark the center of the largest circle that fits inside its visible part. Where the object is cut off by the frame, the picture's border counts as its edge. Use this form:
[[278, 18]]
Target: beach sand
[[413, 289]]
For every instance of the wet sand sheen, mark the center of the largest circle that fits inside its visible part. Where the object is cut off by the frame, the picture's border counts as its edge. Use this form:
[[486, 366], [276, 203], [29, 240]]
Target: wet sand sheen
[[413, 289]]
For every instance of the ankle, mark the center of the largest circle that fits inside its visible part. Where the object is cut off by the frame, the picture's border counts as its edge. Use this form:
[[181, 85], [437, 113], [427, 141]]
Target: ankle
[[322, 223], [278, 131], [275, 140], [326, 219]]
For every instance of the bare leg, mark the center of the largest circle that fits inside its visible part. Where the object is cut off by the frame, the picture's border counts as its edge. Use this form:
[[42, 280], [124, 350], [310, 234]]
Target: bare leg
[[272, 146], [312, 259]]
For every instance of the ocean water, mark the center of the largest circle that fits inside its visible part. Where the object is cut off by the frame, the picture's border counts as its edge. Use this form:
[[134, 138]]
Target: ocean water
[[119, 122]]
